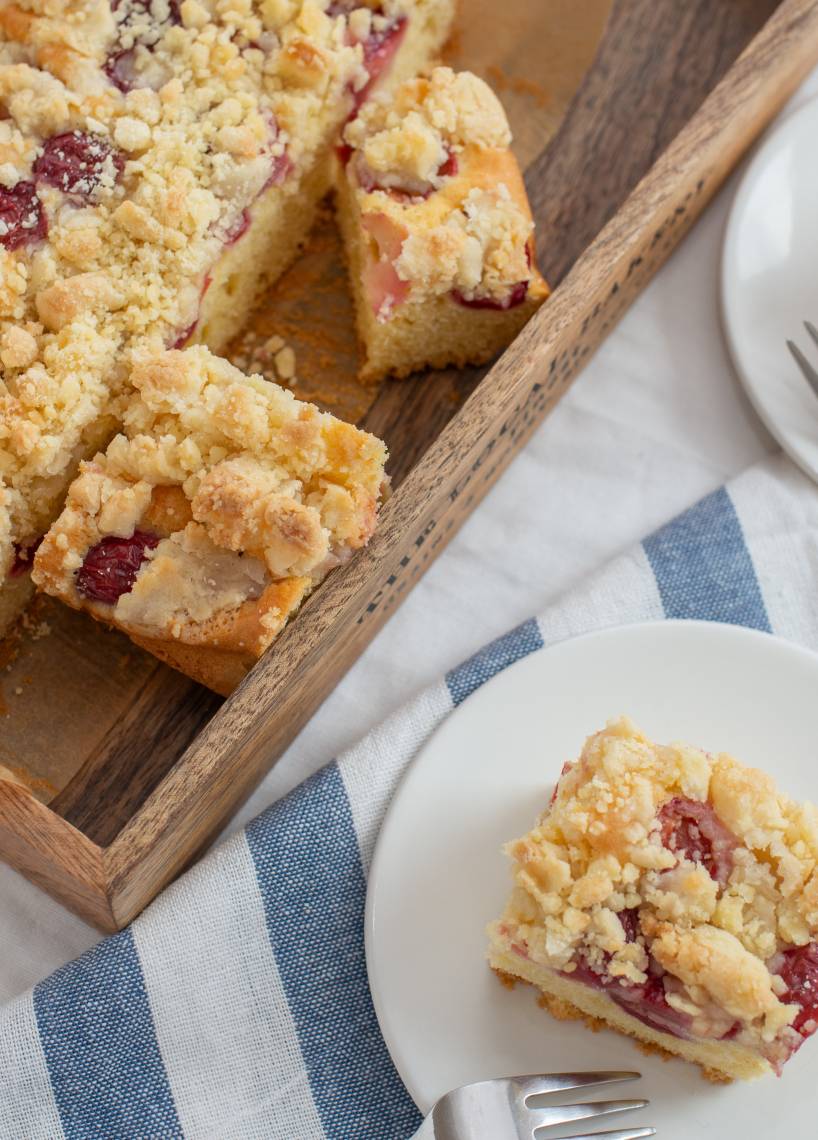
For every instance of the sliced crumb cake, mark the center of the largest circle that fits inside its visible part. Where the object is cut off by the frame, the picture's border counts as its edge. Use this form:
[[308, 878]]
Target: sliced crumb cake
[[437, 227], [671, 895], [208, 520], [160, 163]]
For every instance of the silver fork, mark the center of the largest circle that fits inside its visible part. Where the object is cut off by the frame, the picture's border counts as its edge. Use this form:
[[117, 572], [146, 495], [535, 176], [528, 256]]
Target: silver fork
[[808, 371], [499, 1110]]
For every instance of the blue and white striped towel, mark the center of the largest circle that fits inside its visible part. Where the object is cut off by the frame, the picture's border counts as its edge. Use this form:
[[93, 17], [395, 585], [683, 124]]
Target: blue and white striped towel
[[237, 1006]]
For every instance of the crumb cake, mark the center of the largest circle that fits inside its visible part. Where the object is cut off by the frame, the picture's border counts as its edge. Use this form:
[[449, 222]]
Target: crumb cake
[[208, 520], [436, 224], [160, 162], [671, 895]]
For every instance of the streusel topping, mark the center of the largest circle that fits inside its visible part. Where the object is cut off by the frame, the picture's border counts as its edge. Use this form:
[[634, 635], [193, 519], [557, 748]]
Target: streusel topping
[[409, 137]]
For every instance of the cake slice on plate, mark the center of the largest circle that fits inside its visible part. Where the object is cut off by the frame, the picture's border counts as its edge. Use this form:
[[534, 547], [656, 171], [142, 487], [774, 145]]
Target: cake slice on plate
[[671, 895], [436, 225], [206, 523]]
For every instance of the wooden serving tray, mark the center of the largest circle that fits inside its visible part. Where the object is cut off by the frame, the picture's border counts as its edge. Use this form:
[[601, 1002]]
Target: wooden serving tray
[[114, 770]]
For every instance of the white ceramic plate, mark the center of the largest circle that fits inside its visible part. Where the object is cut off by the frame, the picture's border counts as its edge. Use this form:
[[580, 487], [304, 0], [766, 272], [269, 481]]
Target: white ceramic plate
[[439, 877], [769, 281]]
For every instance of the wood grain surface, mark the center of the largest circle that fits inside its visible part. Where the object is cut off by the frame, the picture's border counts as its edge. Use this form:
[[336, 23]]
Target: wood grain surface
[[660, 64]]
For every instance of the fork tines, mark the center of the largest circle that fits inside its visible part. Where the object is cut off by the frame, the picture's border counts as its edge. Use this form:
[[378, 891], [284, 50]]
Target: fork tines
[[552, 1115], [567, 1113], [808, 371], [619, 1134], [564, 1082]]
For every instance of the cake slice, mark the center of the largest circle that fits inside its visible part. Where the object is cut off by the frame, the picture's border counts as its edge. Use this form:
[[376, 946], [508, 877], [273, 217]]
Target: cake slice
[[673, 896], [206, 523], [437, 228]]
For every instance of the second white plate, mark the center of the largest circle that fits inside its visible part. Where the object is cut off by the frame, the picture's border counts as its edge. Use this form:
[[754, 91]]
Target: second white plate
[[769, 281], [439, 876]]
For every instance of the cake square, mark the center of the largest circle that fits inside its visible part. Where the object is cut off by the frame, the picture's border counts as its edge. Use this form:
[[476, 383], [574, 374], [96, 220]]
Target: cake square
[[437, 227], [671, 895], [210, 518]]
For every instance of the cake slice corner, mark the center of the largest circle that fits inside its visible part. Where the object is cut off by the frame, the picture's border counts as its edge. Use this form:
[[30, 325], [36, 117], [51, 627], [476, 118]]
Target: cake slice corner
[[212, 515], [437, 228]]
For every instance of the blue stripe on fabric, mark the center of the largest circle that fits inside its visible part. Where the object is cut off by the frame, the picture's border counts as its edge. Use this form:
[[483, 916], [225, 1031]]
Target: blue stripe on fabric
[[493, 659], [97, 1034], [309, 870], [703, 568]]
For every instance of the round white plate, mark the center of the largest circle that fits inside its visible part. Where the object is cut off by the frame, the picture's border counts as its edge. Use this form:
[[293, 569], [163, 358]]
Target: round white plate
[[769, 282], [439, 876]]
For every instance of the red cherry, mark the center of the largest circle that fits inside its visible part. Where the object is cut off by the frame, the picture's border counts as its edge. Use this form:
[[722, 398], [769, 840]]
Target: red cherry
[[110, 568], [450, 167], [379, 50], [77, 163], [800, 973], [692, 830], [282, 164], [379, 46], [121, 69], [630, 923], [120, 66], [22, 219]]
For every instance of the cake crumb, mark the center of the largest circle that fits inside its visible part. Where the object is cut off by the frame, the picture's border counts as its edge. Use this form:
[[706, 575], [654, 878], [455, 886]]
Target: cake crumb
[[271, 357], [285, 363]]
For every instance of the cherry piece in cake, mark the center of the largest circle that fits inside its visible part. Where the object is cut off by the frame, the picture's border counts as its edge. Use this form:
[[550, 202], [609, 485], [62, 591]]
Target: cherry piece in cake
[[78, 163], [120, 66], [22, 218], [691, 829], [379, 50], [110, 568], [799, 970]]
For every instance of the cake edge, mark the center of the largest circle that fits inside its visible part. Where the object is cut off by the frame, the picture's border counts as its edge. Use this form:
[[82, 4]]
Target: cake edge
[[568, 1000]]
